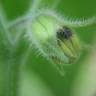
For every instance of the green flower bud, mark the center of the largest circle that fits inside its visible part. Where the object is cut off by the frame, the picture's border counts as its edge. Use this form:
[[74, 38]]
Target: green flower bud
[[51, 38], [57, 42]]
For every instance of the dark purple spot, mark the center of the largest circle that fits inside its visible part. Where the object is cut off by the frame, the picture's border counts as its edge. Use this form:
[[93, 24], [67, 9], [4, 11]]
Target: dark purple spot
[[64, 34]]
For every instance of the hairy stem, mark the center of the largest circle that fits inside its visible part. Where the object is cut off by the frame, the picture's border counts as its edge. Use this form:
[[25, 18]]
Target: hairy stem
[[11, 79], [5, 33]]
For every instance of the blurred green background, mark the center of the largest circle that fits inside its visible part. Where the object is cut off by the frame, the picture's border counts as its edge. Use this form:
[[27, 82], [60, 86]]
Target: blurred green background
[[39, 77]]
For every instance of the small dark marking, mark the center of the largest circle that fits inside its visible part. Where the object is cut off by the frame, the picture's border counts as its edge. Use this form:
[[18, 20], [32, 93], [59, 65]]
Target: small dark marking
[[64, 33]]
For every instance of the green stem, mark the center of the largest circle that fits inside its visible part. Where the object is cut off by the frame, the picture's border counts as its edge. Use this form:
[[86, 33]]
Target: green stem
[[12, 79], [5, 34]]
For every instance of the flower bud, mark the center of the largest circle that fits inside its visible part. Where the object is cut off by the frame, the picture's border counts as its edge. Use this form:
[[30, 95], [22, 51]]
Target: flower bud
[[57, 42]]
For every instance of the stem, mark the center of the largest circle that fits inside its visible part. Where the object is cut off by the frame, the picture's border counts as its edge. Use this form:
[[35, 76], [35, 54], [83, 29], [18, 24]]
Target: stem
[[13, 72], [12, 79], [34, 6], [5, 34]]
